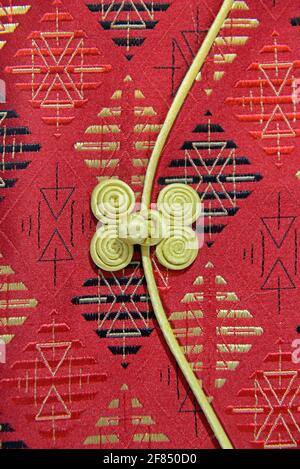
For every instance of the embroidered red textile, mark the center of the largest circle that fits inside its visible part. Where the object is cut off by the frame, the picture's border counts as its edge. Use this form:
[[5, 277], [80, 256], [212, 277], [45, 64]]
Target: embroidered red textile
[[85, 89]]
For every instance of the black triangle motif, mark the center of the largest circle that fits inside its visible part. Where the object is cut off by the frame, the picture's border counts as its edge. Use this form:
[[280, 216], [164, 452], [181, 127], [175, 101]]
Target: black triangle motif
[[57, 199], [278, 228], [56, 249], [278, 278]]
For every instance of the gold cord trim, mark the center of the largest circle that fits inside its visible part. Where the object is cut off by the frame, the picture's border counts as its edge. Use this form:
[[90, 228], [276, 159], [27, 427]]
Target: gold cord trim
[[166, 329]]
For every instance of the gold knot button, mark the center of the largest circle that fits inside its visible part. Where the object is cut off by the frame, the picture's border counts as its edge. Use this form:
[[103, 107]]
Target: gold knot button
[[121, 227]]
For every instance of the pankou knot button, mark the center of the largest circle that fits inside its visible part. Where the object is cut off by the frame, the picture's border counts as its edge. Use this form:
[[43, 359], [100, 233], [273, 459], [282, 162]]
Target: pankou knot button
[[168, 228]]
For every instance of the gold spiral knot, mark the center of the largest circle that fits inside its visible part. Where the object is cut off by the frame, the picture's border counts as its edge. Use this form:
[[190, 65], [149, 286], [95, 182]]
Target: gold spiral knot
[[180, 203], [179, 250], [108, 251], [112, 199]]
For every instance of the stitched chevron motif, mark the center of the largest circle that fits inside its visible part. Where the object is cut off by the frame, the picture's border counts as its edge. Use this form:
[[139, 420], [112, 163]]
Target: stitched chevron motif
[[119, 310], [267, 102], [124, 410], [9, 17], [269, 406], [124, 131], [15, 150], [58, 62], [128, 21], [215, 347], [54, 379], [211, 164]]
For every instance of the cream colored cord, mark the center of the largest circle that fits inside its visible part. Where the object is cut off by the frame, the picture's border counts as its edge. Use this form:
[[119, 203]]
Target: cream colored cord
[[166, 329]]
